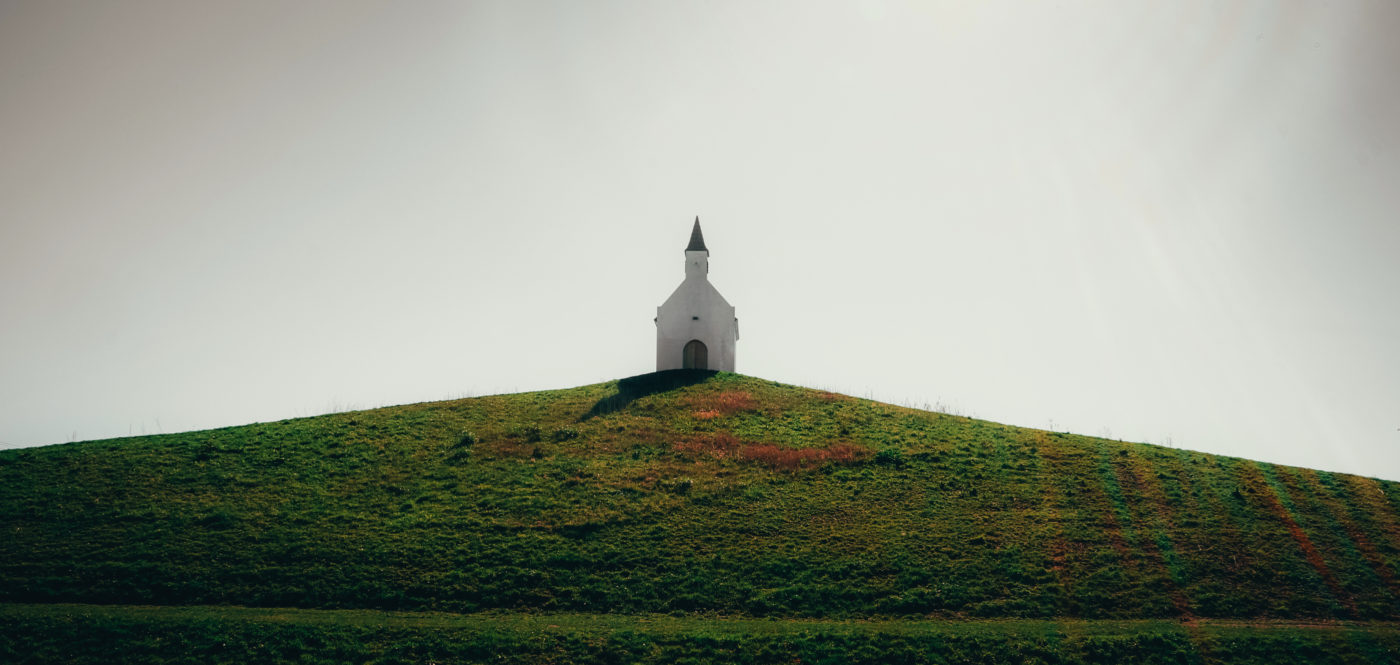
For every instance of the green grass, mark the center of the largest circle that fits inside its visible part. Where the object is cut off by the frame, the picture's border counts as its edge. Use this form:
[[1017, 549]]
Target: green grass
[[86, 633], [691, 494]]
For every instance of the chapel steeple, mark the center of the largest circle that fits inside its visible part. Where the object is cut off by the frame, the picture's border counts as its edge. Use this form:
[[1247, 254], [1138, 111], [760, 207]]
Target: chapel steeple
[[697, 240], [697, 257]]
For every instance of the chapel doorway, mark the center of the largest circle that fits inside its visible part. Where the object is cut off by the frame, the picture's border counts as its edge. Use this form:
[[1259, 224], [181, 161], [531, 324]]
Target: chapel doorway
[[695, 355]]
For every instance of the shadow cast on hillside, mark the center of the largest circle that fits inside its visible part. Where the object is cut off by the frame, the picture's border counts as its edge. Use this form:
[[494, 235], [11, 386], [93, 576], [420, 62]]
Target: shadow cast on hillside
[[636, 387]]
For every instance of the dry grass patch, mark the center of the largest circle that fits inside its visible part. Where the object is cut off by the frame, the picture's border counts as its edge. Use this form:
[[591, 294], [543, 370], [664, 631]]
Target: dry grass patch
[[726, 403], [720, 445], [796, 459]]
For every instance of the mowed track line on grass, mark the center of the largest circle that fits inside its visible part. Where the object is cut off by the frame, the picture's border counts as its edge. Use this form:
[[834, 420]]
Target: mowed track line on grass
[[1049, 463], [1369, 500], [1343, 516], [1254, 477], [1154, 514]]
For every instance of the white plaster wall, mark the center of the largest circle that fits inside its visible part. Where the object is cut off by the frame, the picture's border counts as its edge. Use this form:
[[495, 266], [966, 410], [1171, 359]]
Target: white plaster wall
[[696, 310]]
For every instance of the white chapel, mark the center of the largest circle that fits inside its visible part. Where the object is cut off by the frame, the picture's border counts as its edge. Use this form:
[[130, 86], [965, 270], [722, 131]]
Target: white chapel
[[695, 327]]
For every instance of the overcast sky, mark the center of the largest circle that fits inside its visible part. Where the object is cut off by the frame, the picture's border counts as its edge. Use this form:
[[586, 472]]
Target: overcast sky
[[1157, 221]]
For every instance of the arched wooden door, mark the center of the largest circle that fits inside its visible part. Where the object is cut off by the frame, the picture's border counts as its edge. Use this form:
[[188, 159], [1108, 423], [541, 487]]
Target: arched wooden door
[[695, 355]]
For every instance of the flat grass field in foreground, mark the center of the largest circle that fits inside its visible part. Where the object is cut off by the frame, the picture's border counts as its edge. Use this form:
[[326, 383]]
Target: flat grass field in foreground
[[86, 634]]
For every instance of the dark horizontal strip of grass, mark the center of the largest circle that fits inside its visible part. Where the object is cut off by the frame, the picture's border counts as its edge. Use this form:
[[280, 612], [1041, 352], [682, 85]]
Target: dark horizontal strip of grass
[[212, 634]]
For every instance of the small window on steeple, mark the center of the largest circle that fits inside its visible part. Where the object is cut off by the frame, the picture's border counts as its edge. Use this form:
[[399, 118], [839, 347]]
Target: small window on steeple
[[694, 318]]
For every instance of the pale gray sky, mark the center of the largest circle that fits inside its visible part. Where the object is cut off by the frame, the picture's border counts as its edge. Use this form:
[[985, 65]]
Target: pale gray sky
[[1155, 220]]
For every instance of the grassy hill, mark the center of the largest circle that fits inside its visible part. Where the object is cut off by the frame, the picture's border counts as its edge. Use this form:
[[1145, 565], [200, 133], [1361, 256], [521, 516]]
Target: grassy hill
[[707, 497]]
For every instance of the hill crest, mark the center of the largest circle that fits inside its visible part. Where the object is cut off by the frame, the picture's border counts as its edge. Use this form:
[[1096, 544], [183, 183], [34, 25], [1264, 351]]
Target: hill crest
[[691, 492]]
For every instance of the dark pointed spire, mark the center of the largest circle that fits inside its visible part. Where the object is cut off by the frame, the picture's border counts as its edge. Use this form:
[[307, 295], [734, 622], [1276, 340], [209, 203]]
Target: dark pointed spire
[[697, 241]]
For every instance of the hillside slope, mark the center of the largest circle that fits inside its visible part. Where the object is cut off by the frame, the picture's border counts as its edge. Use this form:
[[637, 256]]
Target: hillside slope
[[690, 492]]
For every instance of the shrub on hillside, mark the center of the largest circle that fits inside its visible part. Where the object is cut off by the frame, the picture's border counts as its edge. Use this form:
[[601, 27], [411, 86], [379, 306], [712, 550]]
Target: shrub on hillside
[[565, 434], [531, 433], [462, 447], [891, 457], [679, 486]]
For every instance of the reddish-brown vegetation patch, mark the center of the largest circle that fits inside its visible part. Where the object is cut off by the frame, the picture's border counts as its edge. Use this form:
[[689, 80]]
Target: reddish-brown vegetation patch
[[727, 403], [1059, 548], [793, 459], [719, 445], [507, 448]]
